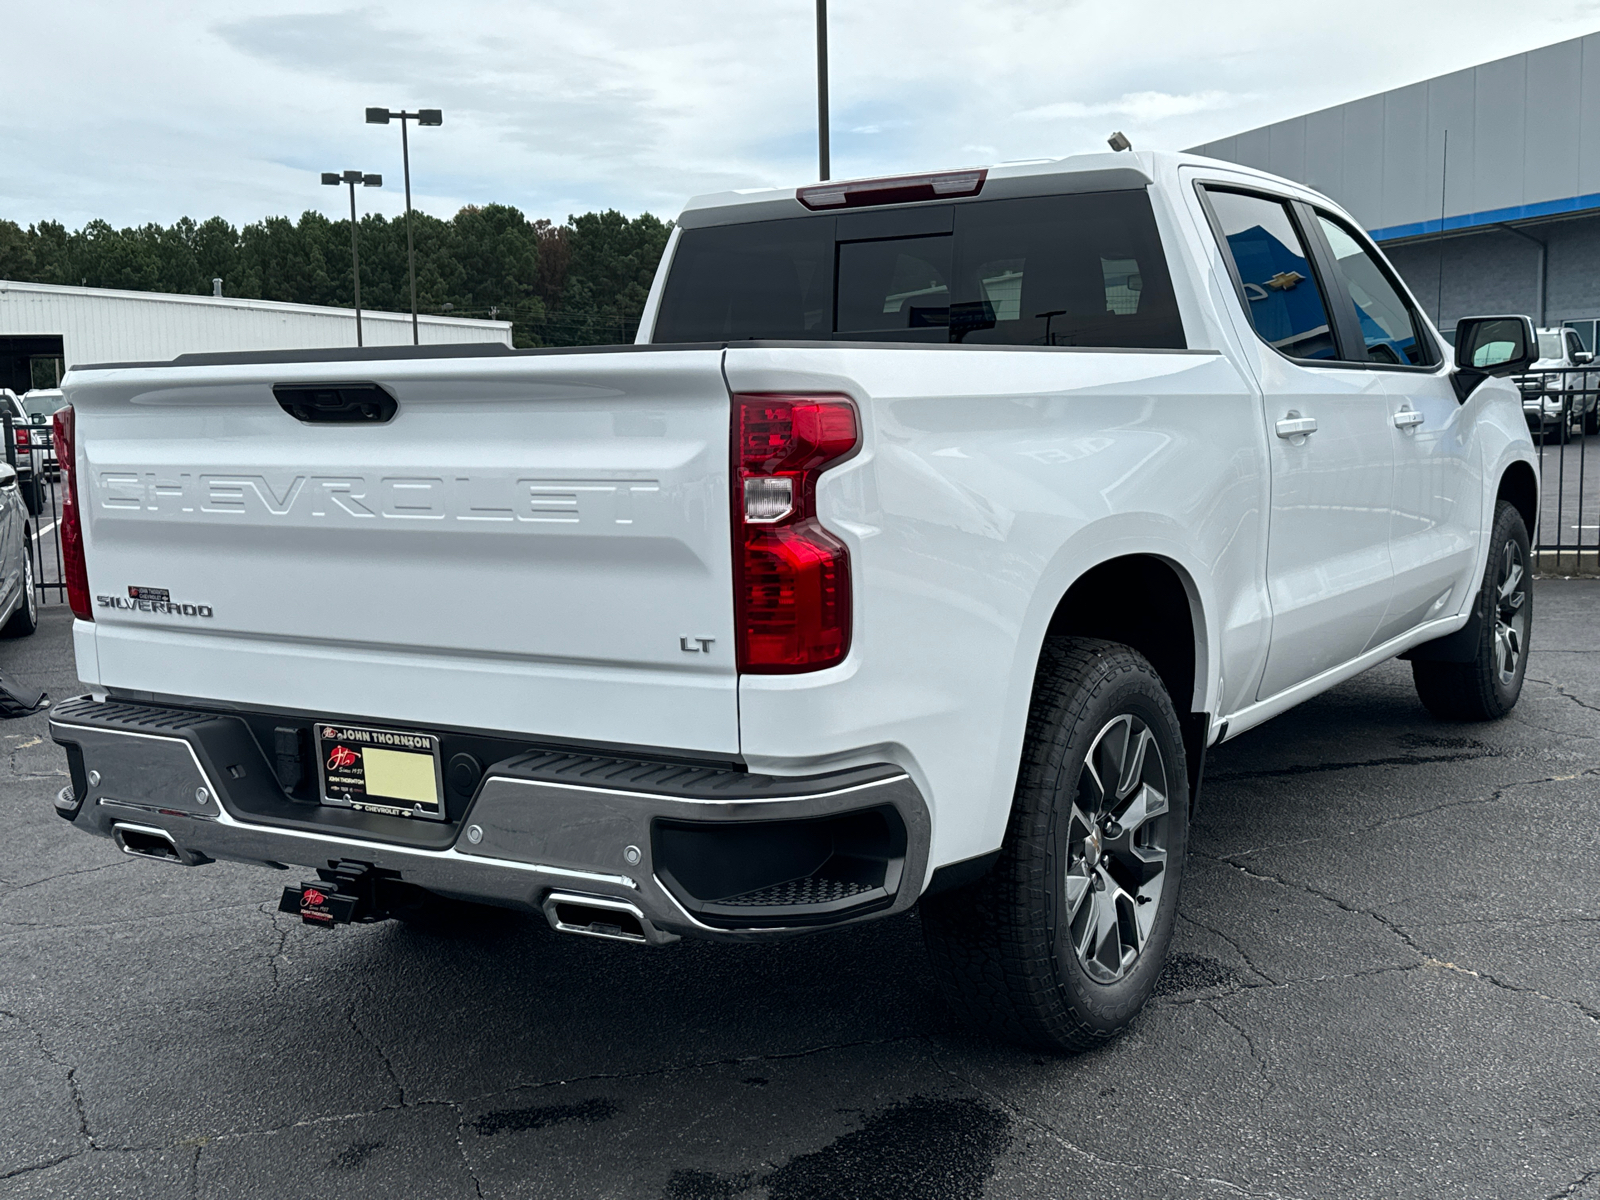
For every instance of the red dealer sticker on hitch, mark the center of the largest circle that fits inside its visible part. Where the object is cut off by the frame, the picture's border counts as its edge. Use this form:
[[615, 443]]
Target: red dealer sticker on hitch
[[391, 771]]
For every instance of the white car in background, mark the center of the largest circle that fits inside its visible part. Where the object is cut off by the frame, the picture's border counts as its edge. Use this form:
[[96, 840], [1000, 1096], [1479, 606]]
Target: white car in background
[[41, 404], [1556, 396]]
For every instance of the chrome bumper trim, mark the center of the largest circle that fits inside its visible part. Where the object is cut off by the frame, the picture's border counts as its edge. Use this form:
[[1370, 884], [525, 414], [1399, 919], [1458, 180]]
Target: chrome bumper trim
[[536, 836]]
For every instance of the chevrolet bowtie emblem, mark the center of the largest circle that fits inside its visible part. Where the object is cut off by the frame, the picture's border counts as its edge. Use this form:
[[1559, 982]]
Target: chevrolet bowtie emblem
[[1285, 280]]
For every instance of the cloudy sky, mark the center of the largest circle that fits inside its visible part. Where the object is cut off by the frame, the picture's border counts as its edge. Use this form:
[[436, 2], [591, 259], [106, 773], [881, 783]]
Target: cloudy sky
[[165, 108]]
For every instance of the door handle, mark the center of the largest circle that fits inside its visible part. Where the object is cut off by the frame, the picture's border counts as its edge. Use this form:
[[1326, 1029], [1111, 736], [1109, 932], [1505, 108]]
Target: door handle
[[1407, 418], [1294, 425]]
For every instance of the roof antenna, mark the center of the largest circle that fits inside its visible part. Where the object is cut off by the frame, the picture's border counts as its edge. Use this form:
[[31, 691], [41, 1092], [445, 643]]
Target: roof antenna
[[1119, 141]]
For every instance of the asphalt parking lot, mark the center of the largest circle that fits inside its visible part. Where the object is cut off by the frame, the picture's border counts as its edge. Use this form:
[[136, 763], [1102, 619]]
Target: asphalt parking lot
[[1386, 984]]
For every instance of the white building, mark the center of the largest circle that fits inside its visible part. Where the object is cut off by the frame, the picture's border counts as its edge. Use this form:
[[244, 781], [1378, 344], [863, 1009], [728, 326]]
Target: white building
[[46, 329]]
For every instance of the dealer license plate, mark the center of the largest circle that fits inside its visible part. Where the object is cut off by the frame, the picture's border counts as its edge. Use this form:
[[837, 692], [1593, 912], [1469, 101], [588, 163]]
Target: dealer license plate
[[391, 771]]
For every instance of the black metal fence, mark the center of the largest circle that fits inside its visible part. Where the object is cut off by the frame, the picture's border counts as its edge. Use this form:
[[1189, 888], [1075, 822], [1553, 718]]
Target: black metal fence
[[1561, 407], [30, 449]]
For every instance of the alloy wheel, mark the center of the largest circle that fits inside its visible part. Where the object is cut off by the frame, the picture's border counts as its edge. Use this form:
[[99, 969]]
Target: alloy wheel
[[1116, 849], [1510, 613]]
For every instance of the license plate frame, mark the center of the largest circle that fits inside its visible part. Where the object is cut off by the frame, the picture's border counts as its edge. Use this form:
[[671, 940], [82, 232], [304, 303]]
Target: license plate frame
[[391, 781]]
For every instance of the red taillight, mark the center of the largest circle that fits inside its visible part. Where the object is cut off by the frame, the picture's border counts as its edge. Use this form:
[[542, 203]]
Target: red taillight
[[791, 576], [898, 189], [73, 567], [23, 444]]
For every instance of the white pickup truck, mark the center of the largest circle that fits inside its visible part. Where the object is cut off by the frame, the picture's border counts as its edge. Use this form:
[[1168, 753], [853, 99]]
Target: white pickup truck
[[929, 535]]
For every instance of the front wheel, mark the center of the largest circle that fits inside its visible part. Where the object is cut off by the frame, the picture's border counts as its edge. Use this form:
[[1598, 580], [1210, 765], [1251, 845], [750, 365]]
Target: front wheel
[[1486, 687], [1061, 943]]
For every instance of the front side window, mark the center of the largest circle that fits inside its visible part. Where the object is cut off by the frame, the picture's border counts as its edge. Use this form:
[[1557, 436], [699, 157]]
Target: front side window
[[1063, 271], [1391, 331], [1280, 288], [1076, 270]]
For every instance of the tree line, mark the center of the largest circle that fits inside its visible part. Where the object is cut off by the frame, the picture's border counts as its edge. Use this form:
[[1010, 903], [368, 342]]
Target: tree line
[[581, 283]]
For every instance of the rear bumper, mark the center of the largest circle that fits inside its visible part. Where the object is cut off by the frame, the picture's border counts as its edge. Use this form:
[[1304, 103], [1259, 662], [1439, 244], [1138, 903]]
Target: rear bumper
[[703, 851]]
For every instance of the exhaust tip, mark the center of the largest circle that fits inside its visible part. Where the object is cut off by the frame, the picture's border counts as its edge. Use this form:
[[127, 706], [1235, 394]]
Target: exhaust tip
[[148, 841], [602, 917]]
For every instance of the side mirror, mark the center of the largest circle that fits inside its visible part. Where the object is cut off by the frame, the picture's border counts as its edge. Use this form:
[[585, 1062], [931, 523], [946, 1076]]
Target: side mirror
[[8, 475], [1583, 358], [1488, 346]]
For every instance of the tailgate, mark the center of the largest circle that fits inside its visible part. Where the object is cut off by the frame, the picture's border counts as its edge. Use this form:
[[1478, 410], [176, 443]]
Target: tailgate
[[533, 545]]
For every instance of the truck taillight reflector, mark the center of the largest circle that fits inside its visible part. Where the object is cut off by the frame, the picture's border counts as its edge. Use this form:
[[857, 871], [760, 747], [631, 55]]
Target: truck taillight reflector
[[73, 567], [791, 576]]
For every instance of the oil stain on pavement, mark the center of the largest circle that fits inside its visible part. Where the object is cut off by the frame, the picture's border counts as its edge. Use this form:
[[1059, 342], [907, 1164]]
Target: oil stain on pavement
[[924, 1148]]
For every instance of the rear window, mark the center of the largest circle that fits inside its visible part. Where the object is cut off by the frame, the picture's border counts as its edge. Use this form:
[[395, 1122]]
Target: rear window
[[1084, 270]]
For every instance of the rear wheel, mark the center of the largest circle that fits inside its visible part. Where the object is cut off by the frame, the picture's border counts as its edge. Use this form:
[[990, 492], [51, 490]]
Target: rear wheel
[[26, 619], [1061, 944], [1487, 687]]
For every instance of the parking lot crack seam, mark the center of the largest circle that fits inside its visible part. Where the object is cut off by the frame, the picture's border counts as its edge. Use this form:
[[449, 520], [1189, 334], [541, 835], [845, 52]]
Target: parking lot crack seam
[[1588, 1012], [1572, 1188], [1295, 885], [1561, 691], [1301, 981], [1090, 1156], [71, 1076], [1395, 760], [1240, 949], [1255, 1053], [1498, 794], [383, 1055], [461, 1145], [41, 1166], [22, 887]]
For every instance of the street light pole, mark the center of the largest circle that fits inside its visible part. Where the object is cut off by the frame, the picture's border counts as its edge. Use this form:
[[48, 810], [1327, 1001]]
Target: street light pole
[[423, 116], [822, 89], [334, 179]]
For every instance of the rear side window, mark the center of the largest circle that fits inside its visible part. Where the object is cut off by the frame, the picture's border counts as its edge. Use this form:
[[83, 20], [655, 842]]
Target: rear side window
[[1391, 331], [1280, 288], [1083, 270], [768, 280]]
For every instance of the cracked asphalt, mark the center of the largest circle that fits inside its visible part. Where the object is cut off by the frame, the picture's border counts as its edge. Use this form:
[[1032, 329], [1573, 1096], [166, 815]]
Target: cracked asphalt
[[1384, 984]]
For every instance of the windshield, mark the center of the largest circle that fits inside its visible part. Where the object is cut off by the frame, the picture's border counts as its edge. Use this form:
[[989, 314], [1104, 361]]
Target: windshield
[[1550, 345], [1084, 270], [43, 404]]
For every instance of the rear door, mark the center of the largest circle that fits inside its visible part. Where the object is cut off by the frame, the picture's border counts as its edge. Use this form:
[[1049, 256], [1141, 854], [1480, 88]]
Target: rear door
[[1328, 566], [535, 543], [1438, 496]]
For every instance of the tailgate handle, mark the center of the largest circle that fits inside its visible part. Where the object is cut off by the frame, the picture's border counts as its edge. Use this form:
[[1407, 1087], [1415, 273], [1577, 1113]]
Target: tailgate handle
[[336, 403]]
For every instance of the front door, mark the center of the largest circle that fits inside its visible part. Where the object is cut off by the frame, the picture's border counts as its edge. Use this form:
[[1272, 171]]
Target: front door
[[1329, 574]]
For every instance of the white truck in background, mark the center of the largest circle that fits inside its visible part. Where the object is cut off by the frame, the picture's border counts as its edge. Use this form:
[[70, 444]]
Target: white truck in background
[[930, 534]]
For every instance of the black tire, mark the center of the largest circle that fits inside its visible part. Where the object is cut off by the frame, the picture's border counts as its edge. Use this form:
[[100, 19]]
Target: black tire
[[26, 619], [1591, 422], [1006, 949], [33, 496], [1487, 688]]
